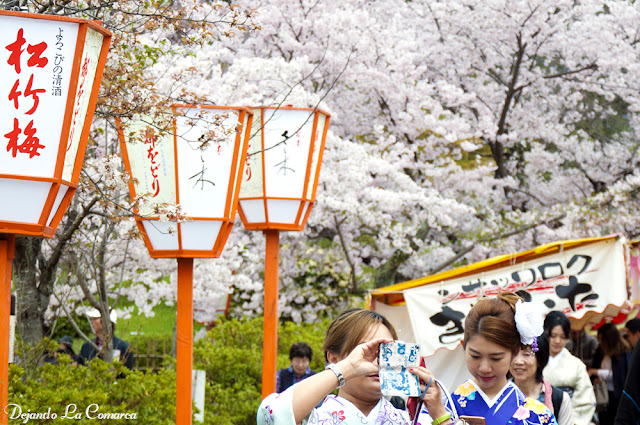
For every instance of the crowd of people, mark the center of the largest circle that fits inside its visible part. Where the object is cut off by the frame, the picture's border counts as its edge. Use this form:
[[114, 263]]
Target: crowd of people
[[523, 373]]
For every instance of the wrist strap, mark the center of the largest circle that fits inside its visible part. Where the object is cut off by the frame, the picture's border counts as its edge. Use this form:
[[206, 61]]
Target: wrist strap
[[441, 419]]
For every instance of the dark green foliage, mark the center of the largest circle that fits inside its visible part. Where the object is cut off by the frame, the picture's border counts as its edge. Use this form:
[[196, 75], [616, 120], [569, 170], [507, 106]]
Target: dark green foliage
[[150, 396], [231, 355]]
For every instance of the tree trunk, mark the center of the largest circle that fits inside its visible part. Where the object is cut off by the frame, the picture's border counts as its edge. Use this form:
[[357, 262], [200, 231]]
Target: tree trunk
[[30, 306]]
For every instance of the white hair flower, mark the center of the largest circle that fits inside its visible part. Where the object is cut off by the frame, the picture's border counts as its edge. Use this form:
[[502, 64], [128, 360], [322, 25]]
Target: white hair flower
[[529, 323]]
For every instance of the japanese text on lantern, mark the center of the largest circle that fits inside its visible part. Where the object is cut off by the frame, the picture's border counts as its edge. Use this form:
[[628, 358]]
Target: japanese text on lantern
[[30, 143], [56, 89], [76, 108], [151, 155]]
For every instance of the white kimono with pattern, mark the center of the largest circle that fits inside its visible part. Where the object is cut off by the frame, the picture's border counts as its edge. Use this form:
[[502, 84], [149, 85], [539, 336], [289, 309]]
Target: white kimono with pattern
[[566, 370], [277, 409]]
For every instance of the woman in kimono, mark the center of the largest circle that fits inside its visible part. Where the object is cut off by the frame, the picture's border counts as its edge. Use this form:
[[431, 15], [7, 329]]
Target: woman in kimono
[[566, 371], [494, 331], [351, 351]]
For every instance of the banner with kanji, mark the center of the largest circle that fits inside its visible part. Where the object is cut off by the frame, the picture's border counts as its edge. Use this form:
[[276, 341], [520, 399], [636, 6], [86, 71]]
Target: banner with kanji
[[590, 278]]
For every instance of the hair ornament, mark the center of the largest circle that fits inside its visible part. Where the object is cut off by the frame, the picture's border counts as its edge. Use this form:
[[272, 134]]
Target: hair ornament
[[529, 323]]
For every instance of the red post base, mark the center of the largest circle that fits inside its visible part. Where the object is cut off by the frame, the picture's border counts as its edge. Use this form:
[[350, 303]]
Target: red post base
[[271, 288], [184, 342], [7, 249]]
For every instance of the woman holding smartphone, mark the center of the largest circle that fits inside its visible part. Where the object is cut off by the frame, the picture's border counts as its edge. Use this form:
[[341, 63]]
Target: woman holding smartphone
[[495, 330], [351, 351]]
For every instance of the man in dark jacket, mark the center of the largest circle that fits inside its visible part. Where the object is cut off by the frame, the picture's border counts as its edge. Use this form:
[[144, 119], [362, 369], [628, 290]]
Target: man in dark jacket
[[121, 349], [300, 355]]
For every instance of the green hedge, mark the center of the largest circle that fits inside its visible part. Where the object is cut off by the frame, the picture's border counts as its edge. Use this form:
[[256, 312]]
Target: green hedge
[[231, 355], [100, 387]]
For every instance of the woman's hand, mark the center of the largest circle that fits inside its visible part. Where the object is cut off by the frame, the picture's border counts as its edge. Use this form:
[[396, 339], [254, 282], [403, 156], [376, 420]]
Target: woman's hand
[[363, 360], [433, 398]]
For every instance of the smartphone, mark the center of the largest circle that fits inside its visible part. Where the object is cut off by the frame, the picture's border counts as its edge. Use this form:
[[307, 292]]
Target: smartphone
[[474, 420]]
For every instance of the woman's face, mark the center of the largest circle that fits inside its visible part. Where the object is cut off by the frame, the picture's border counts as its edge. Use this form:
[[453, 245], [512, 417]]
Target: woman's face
[[366, 388], [488, 363], [524, 366], [557, 340]]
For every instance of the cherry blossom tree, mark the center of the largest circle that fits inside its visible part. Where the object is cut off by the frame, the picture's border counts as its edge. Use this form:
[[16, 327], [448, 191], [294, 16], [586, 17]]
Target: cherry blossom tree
[[460, 130]]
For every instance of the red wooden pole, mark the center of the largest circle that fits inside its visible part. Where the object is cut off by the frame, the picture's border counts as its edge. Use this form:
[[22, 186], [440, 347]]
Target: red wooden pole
[[184, 342], [271, 287], [7, 245]]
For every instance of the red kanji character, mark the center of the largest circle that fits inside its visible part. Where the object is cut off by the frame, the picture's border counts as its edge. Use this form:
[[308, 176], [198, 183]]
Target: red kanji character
[[219, 149], [153, 171], [34, 94], [31, 143], [13, 138], [14, 93], [37, 50], [16, 50]]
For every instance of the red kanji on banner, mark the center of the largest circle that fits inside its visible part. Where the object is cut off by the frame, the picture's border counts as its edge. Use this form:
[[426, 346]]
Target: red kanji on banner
[[29, 91], [30, 145], [36, 51], [16, 50]]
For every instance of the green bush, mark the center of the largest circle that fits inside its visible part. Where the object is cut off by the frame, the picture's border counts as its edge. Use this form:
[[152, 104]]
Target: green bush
[[99, 387], [231, 356]]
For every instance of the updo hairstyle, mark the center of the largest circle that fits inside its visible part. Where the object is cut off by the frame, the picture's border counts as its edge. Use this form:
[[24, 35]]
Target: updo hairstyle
[[350, 328], [493, 319]]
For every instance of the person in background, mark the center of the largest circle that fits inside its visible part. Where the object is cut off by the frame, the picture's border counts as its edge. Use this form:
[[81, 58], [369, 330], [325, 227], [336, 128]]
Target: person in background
[[351, 351], [566, 371], [633, 331], [121, 349], [629, 407], [300, 355], [610, 364], [65, 346], [583, 346], [526, 370]]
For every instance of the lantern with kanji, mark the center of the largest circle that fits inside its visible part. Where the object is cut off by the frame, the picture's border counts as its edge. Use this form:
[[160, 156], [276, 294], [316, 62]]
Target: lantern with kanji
[[197, 165], [50, 73], [283, 167]]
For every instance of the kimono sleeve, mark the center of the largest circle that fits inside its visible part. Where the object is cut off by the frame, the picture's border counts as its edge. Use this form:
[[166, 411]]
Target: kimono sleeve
[[277, 409]]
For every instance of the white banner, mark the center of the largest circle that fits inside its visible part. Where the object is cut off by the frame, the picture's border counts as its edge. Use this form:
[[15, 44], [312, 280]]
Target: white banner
[[576, 281]]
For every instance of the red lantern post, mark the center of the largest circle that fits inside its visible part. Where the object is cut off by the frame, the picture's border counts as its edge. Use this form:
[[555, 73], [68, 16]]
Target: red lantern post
[[197, 165]]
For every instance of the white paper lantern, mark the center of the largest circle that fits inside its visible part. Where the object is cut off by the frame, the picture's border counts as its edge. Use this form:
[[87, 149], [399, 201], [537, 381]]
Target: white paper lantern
[[283, 167], [197, 166], [51, 68]]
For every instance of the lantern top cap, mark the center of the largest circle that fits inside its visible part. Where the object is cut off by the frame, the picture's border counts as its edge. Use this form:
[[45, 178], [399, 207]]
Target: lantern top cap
[[291, 108], [187, 105], [94, 25]]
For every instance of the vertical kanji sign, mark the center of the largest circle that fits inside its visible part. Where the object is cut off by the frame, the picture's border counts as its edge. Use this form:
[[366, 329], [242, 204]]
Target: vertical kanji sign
[[50, 69]]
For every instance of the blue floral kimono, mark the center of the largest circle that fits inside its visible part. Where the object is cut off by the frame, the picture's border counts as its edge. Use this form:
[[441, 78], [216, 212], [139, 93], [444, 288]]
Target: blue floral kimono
[[510, 407]]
